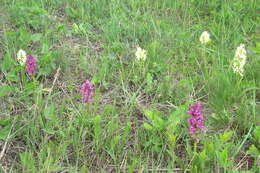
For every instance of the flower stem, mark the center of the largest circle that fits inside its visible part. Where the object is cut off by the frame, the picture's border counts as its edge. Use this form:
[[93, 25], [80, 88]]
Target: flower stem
[[195, 146]]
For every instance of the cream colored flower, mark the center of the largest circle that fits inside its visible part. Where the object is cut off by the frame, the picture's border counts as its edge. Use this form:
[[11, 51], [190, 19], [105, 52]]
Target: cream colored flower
[[21, 57], [239, 60], [140, 54], [205, 37]]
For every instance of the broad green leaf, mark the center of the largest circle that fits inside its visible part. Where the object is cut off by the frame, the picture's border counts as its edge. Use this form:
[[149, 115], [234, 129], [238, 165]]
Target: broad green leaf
[[157, 121], [49, 131], [172, 139], [209, 146], [224, 157], [147, 126], [7, 63], [149, 82], [61, 28], [253, 151], [174, 119], [97, 129], [257, 48], [203, 155], [45, 48], [12, 76], [49, 113], [28, 162], [257, 134], [226, 137], [4, 132], [36, 37], [75, 28], [5, 90], [5, 122]]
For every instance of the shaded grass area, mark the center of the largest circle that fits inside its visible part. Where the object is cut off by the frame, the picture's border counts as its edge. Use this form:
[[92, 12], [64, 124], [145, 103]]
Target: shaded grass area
[[138, 119]]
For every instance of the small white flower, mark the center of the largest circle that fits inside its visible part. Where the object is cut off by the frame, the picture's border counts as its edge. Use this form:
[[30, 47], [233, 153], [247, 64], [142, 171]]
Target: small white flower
[[205, 37], [241, 51], [140, 54], [239, 60], [21, 57]]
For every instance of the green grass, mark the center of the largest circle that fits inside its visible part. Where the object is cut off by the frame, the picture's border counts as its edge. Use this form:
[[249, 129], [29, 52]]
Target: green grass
[[137, 121]]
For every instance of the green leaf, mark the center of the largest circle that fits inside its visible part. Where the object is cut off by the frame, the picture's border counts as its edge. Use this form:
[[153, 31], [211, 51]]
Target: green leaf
[[174, 119], [114, 142], [147, 126], [257, 48], [157, 121], [172, 139], [4, 132], [49, 113], [149, 82], [226, 137], [224, 157], [24, 36], [7, 63], [27, 161], [209, 146], [75, 28], [5, 90], [36, 37], [12, 76], [257, 134], [72, 13], [5, 122], [253, 151], [49, 130], [203, 155], [97, 129], [61, 28], [45, 48]]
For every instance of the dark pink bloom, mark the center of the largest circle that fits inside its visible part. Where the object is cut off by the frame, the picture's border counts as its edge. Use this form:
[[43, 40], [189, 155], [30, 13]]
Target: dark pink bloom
[[87, 91], [192, 130], [196, 120], [30, 65]]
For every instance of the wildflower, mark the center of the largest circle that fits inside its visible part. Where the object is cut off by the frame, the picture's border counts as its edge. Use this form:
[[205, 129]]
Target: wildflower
[[196, 120], [30, 65], [21, 57], [87, 91], [205, 37], [140, 54], [239, 60]]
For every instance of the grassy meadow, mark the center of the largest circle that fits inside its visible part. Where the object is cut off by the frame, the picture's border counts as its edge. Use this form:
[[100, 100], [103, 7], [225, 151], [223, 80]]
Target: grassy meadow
[[148, 67]]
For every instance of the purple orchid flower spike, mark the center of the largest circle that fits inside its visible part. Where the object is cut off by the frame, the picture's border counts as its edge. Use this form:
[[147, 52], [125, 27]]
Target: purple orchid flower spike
[[87, 91], [197, 118], [31, 65]]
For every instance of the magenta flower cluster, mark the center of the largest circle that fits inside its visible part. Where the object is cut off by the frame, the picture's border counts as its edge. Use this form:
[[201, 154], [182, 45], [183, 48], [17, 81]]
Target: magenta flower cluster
[[197, 118], [30, 65], [87, 91]]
